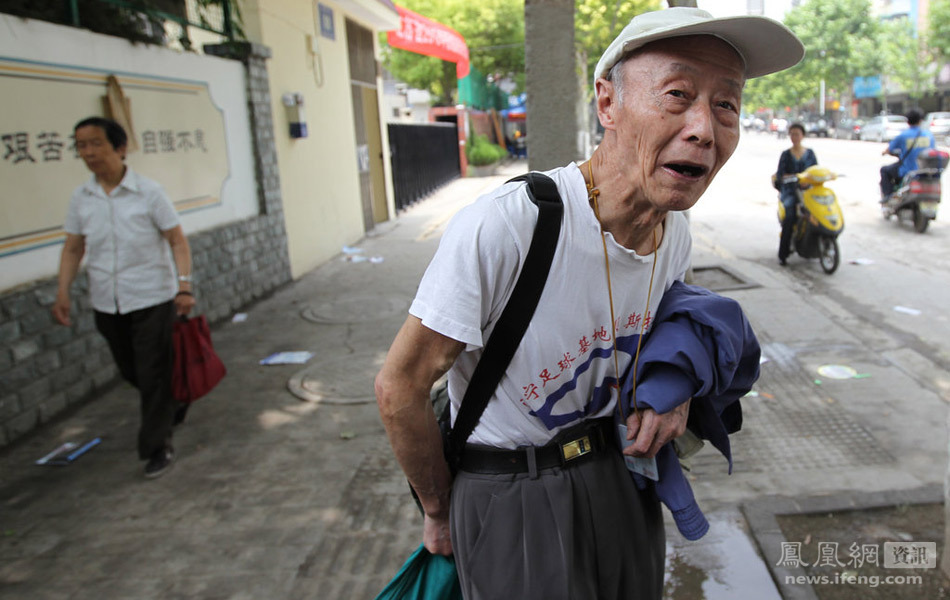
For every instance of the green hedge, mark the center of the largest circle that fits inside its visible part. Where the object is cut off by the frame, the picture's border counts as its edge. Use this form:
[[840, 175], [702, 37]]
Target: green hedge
[[480, 151]]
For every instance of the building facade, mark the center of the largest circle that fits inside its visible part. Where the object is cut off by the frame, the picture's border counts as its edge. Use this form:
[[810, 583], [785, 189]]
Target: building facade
[[223, 131]]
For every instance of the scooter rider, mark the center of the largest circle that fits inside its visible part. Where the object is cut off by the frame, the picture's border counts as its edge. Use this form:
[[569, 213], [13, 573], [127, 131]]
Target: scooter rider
[[793, 161], [905, 146]]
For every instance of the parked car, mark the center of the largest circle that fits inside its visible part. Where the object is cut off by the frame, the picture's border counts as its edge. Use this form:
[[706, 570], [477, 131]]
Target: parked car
[[779, 127], [883, 128], [937, 123], [849, 129], [817, 127]]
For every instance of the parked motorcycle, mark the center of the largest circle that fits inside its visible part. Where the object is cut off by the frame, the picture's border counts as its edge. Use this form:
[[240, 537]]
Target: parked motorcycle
[[820, 219], [917, 197]]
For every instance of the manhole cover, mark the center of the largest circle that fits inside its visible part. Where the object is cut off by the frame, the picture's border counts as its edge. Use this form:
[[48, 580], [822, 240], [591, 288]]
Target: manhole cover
[[341, 379], [719, 279], [356, 308]]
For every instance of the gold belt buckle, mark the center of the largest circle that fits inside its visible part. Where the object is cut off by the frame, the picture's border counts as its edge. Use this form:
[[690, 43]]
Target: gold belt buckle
[[576, 448]]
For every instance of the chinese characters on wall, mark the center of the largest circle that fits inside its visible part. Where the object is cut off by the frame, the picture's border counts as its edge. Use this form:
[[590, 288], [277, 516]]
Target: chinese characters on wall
[[51, 146], [19, 147], [168, 140]]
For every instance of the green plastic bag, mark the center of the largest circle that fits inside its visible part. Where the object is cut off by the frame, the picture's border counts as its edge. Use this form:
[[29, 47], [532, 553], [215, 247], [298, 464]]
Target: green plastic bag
[[424, 576]]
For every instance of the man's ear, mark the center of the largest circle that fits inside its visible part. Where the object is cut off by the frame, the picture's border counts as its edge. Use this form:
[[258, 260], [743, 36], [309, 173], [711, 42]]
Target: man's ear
[[606, 102], [122, 150]]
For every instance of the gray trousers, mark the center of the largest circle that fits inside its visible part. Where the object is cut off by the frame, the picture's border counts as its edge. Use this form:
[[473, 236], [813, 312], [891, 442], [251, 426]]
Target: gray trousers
[[582, 533]]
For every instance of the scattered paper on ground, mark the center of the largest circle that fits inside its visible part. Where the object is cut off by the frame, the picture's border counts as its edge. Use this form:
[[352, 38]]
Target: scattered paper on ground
[[358, 258], [840, 372], [297, 357], [907, 311], [239, 318], [68, 452]]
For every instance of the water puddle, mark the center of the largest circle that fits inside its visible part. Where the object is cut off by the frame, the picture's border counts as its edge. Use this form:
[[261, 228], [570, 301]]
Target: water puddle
[[723, 565]]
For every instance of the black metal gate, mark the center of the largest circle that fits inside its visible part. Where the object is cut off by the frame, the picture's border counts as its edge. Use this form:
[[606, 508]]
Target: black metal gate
[[424, 157]]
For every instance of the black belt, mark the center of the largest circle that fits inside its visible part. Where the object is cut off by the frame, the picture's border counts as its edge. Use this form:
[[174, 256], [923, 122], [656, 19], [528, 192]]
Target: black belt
[[570, 447]]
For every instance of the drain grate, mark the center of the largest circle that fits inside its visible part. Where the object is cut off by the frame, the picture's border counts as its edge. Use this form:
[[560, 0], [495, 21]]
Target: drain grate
[[794, 440], [719, 278]]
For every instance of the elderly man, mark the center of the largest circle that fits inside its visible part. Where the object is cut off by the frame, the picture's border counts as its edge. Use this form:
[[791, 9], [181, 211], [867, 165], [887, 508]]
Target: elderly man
[[127, 224], [669, 91]]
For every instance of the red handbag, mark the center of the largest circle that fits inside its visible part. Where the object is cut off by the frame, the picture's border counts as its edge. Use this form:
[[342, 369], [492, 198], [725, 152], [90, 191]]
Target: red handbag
[[197, 367]]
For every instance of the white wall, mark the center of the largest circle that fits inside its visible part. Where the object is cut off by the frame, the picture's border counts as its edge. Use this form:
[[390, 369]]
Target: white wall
[[40, 44], [319, 179]]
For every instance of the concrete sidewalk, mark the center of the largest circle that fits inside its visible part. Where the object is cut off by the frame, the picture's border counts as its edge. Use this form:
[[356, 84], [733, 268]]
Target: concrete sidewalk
[[285, 486]]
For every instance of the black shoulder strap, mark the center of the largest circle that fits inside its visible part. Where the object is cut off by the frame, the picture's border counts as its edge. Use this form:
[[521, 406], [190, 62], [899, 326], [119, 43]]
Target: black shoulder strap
[[908, 151], [514, 320]]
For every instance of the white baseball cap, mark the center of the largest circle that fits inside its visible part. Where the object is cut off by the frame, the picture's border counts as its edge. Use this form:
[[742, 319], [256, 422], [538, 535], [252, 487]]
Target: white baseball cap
[[765, 45]]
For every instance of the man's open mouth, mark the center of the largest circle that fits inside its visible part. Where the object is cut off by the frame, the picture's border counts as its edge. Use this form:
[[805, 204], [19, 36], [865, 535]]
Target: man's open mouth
[[687, 170]]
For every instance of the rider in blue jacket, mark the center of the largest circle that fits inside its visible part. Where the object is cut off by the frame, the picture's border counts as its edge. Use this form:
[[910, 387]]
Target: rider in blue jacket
[[906, 147]]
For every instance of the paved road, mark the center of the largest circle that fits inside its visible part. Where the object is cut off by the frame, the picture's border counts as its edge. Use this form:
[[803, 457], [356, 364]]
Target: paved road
[[285, 486]]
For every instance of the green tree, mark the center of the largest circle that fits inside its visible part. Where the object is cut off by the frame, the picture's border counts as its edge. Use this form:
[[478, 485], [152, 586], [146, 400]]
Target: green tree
[[938, 29], [597, 23], [422, 72], [840, 37], [493, 31], [907, 62]]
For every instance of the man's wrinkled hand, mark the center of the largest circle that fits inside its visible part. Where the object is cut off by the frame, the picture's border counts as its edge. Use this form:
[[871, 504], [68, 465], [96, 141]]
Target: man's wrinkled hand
[[436, 536], [652, 431]]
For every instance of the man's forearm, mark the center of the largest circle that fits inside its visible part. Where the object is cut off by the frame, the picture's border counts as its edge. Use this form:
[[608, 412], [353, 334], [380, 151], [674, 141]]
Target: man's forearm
[[416, 360], [417, 443]]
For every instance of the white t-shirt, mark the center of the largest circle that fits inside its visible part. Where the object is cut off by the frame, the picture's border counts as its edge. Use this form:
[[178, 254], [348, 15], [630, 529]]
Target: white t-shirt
[[558, 374]]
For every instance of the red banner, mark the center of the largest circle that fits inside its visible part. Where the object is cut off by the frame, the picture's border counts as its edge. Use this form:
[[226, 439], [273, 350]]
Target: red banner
[[425, 36]]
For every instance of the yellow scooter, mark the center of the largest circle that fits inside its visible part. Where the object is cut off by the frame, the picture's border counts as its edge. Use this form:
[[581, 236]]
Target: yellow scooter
[[820, 220]]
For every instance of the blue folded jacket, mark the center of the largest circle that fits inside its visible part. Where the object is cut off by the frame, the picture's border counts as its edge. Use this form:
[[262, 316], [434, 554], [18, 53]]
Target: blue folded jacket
[[702, 347]]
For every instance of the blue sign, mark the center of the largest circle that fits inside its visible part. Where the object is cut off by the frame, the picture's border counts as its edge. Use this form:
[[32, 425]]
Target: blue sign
[[867, 87], [327, 28]]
